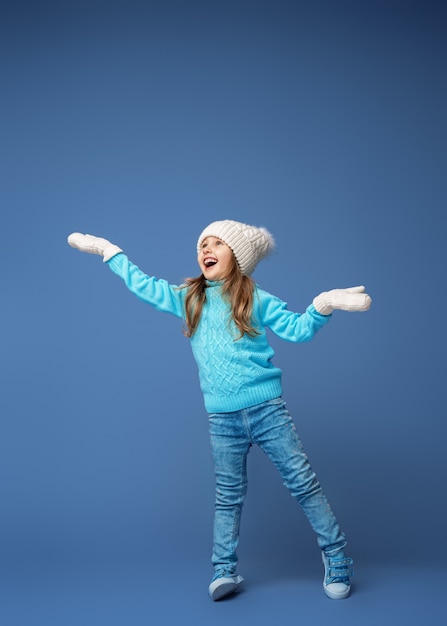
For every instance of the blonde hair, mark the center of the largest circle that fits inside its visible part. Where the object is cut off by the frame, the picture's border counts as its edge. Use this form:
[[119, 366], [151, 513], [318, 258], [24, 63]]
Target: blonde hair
[[237, 288]]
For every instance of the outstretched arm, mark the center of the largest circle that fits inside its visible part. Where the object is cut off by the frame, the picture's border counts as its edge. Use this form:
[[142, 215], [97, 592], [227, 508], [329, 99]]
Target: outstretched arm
[[351, 299], [157, 292], [298, 327]]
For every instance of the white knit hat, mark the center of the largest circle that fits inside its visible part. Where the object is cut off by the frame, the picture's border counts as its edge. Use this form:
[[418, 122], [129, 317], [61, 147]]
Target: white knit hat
[[248, 243]]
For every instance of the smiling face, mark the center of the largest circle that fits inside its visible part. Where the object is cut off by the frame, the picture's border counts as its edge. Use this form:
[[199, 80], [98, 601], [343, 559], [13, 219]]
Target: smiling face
[[215, 258]]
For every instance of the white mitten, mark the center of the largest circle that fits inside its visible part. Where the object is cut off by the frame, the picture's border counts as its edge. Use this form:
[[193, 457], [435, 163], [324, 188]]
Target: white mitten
[[93, 245], [352, 299]]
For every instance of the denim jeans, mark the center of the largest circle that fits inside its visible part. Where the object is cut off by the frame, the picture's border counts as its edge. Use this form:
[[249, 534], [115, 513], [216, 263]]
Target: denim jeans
[[270, 426]]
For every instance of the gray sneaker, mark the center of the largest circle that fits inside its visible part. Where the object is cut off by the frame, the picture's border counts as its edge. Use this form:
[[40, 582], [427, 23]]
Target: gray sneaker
[[223, 585]]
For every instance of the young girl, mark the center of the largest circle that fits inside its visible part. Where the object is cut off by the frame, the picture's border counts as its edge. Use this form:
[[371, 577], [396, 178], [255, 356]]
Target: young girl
[[226, 315]]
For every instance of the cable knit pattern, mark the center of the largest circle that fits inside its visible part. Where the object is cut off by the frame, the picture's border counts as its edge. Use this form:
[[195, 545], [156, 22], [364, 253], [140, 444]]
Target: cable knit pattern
[[218, 362], [234, 373]]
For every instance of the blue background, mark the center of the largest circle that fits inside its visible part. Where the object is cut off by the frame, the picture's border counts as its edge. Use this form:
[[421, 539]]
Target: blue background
[[142, 122]]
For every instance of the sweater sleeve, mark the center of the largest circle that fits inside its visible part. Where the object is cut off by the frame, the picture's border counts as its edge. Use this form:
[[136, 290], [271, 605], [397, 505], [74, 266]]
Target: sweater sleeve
[[157, 292], [295, 327]]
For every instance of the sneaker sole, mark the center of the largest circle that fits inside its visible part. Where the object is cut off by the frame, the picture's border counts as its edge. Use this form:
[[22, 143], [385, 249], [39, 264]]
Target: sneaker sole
[[336, 596], [223, 587]]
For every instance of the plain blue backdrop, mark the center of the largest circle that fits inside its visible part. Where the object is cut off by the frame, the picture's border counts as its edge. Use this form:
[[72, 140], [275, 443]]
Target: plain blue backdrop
[[142, 122]]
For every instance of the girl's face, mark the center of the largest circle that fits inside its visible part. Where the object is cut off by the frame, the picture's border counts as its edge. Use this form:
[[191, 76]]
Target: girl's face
[[215, 258]]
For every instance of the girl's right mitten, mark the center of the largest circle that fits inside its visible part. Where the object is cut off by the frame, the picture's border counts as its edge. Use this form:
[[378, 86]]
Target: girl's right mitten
[[93, 245]]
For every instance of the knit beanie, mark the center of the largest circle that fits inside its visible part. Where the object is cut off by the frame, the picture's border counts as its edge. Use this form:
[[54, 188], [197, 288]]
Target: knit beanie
[[248, 243]]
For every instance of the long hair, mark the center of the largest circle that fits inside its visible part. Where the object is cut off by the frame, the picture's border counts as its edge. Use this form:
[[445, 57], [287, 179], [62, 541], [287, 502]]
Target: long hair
[[237, 288]]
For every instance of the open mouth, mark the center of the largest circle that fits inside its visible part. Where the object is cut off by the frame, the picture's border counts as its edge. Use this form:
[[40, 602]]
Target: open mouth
[[209, 262]]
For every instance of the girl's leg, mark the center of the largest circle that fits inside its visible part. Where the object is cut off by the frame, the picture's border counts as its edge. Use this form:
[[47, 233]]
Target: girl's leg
[[276, 434], [229, 446]]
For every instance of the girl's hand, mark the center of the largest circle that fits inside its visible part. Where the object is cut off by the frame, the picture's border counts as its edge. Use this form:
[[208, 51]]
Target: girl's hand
[[93, 245], [352, 299]]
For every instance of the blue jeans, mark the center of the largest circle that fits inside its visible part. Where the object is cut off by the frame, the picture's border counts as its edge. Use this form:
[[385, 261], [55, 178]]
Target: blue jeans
[[270, 426]]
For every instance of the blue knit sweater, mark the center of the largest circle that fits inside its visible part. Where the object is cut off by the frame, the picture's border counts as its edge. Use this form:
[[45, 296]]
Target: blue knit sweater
[[234, 373]]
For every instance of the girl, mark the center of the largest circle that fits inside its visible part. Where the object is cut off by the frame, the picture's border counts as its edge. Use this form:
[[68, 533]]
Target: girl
[[226, 315]]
